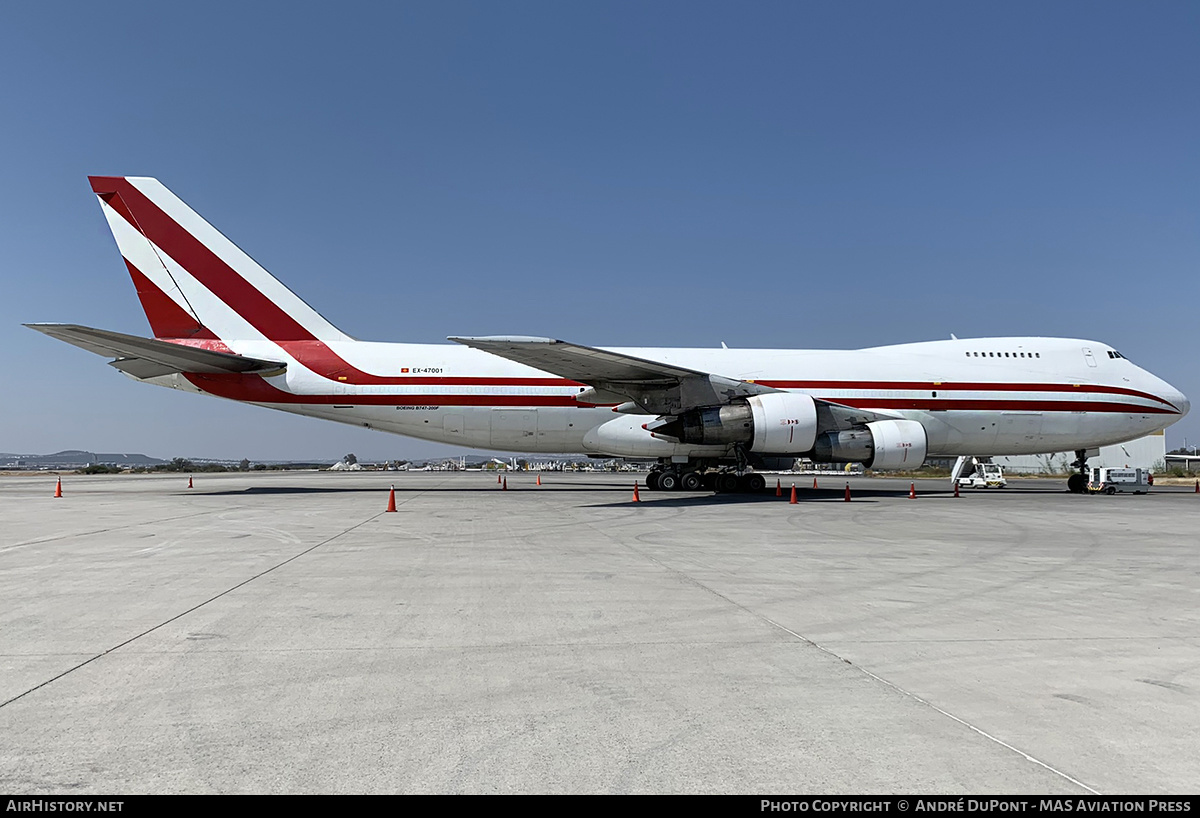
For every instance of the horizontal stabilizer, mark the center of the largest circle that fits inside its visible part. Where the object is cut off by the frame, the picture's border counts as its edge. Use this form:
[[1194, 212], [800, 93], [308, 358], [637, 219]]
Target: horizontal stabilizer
[[149, 358]]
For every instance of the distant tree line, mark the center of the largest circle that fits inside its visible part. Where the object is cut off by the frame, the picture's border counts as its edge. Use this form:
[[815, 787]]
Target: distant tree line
[[183, 465]]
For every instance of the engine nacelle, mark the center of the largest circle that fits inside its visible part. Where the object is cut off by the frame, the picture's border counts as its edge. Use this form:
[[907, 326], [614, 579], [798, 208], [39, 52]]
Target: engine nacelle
[[899, 444], [776, 423], [784, 423], [626, 436], [883, 444]]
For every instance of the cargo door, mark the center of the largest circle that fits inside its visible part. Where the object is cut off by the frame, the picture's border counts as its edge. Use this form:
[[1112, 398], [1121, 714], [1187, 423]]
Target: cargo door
[[1020, 432], [514, 429], [452, 425]]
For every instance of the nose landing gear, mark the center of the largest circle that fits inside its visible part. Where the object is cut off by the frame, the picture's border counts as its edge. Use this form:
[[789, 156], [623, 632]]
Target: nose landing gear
[[1077, 483]]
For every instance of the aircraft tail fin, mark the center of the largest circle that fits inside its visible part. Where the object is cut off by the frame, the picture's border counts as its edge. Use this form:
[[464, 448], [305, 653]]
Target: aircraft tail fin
[[192, 281]]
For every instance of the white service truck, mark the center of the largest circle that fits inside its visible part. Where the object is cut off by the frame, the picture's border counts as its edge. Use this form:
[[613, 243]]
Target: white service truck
[[1110, 481], [978, 473]]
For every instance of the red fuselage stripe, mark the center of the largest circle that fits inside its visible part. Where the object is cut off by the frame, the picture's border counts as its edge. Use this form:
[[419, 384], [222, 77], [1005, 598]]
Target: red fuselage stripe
[[254, 389], [965, 386]]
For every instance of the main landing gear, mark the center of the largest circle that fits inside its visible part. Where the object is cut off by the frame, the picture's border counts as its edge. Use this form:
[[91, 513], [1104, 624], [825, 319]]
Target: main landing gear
[[693, 477], [672, 479], [1077, 483]]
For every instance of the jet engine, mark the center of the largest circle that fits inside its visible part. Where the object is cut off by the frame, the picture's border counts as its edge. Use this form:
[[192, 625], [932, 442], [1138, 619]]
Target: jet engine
[[883, 444], [775, 423]]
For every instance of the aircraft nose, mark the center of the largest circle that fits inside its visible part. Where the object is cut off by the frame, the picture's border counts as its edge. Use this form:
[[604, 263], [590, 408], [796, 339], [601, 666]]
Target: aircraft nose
[[1175, 397], [1179, 399]]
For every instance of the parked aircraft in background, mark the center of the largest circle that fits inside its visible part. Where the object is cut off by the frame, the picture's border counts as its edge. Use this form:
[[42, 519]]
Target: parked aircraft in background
[[224, 326]]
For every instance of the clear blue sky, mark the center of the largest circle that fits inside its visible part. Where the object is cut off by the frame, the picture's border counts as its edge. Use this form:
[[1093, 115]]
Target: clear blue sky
[[794, 174]]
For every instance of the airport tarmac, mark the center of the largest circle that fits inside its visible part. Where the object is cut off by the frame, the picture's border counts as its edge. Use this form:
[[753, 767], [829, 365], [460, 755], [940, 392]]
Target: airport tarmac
[[280, 632]]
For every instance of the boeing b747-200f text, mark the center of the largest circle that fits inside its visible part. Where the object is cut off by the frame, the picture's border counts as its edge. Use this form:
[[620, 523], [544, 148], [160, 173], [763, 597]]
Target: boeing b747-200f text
[[224, 326]]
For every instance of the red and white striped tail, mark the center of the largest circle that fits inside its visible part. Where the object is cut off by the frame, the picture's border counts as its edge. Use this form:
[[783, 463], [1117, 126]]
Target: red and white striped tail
[[192, 281]]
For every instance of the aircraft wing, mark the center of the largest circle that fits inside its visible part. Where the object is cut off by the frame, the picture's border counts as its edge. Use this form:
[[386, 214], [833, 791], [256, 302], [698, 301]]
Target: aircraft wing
[[149, 358], [653, 386]]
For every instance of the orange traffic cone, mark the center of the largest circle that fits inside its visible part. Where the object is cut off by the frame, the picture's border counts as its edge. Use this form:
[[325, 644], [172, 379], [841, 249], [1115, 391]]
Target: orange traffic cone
[[189, 481], [792, 501], [58, 488], [847, 492], [778, 488], [504, 485], [636, 499], [955, 488], [497, 479], [912, 491], [814, 482], [539, 480], [392, 499]]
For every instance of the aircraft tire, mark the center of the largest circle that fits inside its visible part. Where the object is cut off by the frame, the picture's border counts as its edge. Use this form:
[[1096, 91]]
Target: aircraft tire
[[753, 483], [1076, 484], [668, 481], [652, 480], [727, 482], [691, 481]]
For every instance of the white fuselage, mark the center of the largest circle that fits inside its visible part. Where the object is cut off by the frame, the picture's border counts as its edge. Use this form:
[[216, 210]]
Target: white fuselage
[[993, 396]]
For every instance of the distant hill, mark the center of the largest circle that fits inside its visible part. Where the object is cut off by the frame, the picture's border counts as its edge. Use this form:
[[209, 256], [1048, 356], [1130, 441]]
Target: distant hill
[[75, 459]]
